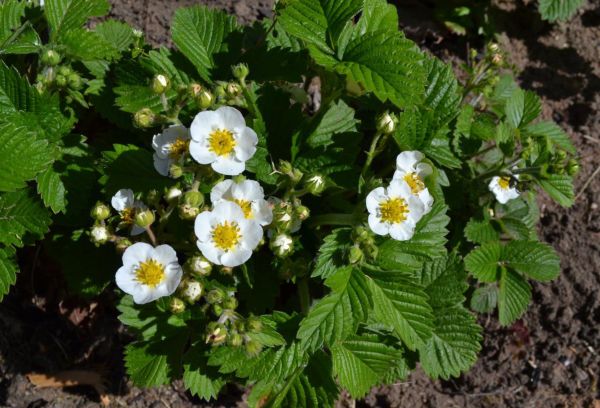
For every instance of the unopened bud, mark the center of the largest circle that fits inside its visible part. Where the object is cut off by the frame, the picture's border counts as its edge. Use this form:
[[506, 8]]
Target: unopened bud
[[199, 265], [493, 47], [194, 90], [100, 211], [230, 303], [187, 212], [61, 81], [233, 90], [226, 270], [51, 58], [74, 81], [355, 255], [215, 296], [217, 335], [122, 244], [144, 118], [205, 99], [497, 59], [176, 171], [572, 167], [144, 218], [254, 324], [561, 155], [217, 310], [193, 198], [65, 70], [253, 348], [386, 123], [286, 168], [100, 234], [236, 340], [176, 305], [282, 245], [191, 290], [153, 197], [302, 212], [160, 84], [316, 184], [240, 71], [172, 194]]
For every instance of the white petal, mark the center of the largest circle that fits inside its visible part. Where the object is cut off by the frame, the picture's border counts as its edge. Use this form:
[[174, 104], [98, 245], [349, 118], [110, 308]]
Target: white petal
[[407, 160], [210, 252], [203, 226], [122, 199], [246, 142], [228, 211], [172, 279], [378, 227], [494, 183], [251, 233], [136, 230], [427, 200], [374, 198], [228, 166], [200, 152], [125, 279], [399, 175], [236, 258], [248, 190], [399, 188], [231, 117], [161, 165], [144, 295], [424, 170], [221, 191], [416, 208], [165, 255], [402, 231], [263, 213], [136, 253], [203, 124]]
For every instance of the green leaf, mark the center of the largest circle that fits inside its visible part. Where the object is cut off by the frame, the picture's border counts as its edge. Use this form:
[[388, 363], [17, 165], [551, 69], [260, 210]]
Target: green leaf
[[21, 213], [533, 259], [116, 33], [377, 15], [275, 364], [360, 362], [515, 106], [442, 92], [440, 152], [15, 91], [514, 297], [22, 157], [145, 366], [485, 298], [338, 118], [199, 33], [445, 281], [402, 304], [480, 231], [554, 133], [454, 345], [483, 261], [11, 12], [553, 10], [66, 15], [199, 379], [8, 271], [52, 190], [559, 187], [416, 128], [23, 41], [332, 253], [532, 108], [87, 45], [338, 314]]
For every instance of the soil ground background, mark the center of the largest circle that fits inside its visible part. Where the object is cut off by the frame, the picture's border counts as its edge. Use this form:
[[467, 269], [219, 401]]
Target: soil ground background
[[551, 358]]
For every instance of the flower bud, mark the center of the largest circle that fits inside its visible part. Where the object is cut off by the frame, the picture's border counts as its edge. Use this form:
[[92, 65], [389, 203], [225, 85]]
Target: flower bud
[[497, 59], [282, 217], [175, 171], [187, 212], [193, 198], [233, 90], [100, 211], [100, 234], [217, 310], [572, 167], [144, 118], [254, 324], [172, 194], [61, 81], [217, 334], [198, 265], [386, 123], [191, 290], [74, 81], [205, 99], [65, 70], [176, 305], [240, 71], [144, 218], [493, 47], [282, 245], [302, 212], [253, 348], [230, 303], [160, 84], [561, 155], [137, 33], [194, 90], [215, 296], [315, 184], [236, 340], [51, 58], [122, 244], [286, 168], [355, 255]]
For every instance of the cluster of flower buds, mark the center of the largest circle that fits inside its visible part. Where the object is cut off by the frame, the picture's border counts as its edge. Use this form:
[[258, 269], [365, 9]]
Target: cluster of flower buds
[[234, 330], [561, 163], [100, 234], [364, 246], [58, 76]]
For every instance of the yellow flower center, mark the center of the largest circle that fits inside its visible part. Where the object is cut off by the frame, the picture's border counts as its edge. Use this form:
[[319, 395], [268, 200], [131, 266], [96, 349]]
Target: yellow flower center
[[504, 183], [393, 210], [178, 148], [221, 142], [128, 215], [415, 182], [226, 235], [246, 207], [150, 273]]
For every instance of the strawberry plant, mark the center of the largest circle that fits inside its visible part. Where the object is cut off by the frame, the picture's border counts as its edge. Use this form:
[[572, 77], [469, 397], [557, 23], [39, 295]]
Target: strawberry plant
[[297, 241]]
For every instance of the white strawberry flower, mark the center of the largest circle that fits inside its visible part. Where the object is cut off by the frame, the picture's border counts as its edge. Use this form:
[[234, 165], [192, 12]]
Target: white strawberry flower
[[149, 273], [410, 169], [222, 139], [394, 210], [503, 188], [248, 194], [127, 206], [225, 236], [170, 147]]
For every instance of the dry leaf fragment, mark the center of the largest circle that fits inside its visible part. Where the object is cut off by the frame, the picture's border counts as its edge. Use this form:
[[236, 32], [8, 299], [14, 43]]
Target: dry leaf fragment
[[71, 378]]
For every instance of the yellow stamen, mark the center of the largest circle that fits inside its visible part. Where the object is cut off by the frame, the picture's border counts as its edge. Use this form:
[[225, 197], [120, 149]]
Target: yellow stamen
[[246, 207], [415, 182], [393, 210], [504, 183], [226, 235], [128, 215], [221, 142], [178, 148], [150, 273]]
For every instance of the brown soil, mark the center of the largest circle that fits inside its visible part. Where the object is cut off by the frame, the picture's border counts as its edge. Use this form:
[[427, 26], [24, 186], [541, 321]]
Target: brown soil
[[549, 359]]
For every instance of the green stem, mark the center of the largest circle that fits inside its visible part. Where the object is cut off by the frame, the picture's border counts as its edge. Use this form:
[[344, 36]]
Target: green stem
[[371, 154], [304, 295], [333, 219]]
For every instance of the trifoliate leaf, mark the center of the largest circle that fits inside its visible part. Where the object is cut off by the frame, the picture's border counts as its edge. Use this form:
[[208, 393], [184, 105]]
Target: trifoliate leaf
[[333, 252], [338, 314], [533, 259], [454, 345], [553, 10], [360, 362], [402, 304], [483, 261], [8, 271], [485, 298], [66, 15], [559, 187], [554, 133], [514, 297], [22, 213], [199, 33], [480, 231]]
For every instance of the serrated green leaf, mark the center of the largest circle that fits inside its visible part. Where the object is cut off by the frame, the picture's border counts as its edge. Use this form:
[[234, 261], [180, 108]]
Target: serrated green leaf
[[66, 15], [338, 314], [332, 253], [553, 10], [52, 190], [440, 152], [21, 213], [24, 40], [485, 298], [199, 33], [83, 44], [444, 280], [8, 271], [198, 378], [454, 345], [559, 187], [377, 15], [514, 297], [145, 367], [116, 33], [515, 106], [338, 118], [483, 261], [15, 91], [442, 92], [275, 364], [11, 12], [360, 362], [416, 128], [533, 259], [480, 231], [554, 133], [532, 108], [402, 304]]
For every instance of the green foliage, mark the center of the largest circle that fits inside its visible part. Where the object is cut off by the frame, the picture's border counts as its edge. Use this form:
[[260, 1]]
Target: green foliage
[[553, 10]]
